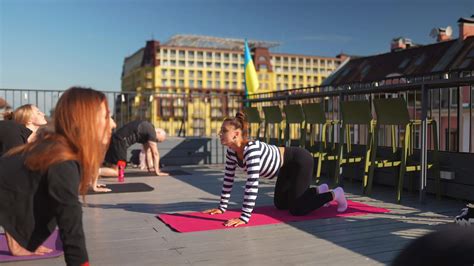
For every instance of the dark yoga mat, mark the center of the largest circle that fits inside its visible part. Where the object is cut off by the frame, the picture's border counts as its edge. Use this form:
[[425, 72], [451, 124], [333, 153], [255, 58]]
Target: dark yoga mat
[[124, 188], [52, 242], [145, 173]]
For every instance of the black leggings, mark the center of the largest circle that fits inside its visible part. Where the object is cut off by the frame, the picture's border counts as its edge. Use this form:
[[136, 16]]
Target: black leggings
[[292, 190]]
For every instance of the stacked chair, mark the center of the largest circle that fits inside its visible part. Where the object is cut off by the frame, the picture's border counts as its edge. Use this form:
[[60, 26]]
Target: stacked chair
[[321, 135], [273, 117], [310, 120], [393, 112], [352, 113]]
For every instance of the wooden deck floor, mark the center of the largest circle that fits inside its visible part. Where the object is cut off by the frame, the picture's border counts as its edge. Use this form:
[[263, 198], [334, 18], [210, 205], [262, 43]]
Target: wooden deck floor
[[121, 229]]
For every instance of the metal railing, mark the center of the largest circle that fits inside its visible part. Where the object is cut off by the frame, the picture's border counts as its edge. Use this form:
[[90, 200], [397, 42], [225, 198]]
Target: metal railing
[[180, 114], [445, 97]]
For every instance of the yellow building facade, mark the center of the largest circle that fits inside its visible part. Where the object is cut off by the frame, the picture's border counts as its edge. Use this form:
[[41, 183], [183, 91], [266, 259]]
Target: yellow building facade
[[189, 84]]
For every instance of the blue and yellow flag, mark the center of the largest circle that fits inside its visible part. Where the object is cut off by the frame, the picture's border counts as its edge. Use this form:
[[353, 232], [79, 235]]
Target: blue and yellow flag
[[251, 78]]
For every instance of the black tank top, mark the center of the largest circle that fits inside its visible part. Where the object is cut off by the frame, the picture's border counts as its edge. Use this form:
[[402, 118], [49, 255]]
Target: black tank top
[[136, 132]]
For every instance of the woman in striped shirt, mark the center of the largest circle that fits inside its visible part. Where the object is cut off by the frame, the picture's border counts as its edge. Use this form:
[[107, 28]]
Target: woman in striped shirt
[[292, 165]]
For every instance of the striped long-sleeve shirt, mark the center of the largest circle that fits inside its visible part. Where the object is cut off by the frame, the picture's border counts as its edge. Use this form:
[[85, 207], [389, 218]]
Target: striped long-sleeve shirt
[[260, 159]]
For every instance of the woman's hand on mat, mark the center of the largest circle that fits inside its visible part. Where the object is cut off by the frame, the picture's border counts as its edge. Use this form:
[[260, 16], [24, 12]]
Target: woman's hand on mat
[[234, 222], [101, 188], [213, 211]]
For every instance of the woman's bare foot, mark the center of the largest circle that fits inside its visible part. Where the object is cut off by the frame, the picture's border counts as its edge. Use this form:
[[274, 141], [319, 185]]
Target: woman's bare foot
[[17, 250], [43, 250]]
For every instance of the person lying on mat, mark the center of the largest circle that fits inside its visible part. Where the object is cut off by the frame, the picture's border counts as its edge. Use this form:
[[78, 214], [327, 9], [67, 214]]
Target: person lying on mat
[[292, 165], [40, 181], [134, 132]]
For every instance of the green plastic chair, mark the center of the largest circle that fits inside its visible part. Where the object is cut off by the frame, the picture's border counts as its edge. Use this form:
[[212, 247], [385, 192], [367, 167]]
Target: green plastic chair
[[320, 129], [393, 112], [273, 117], [295, 117], [253, 117], [352, 113]]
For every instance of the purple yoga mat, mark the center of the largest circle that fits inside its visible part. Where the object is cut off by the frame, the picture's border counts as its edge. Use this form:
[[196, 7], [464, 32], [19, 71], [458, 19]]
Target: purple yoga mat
[[53, 242]]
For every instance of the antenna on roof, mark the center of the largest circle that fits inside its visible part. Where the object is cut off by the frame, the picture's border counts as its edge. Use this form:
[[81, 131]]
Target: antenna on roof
[[434, 33], [449, 31]]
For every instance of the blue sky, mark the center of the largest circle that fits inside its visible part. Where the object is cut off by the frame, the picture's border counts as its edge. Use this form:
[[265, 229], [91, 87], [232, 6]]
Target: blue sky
[[52, 44]]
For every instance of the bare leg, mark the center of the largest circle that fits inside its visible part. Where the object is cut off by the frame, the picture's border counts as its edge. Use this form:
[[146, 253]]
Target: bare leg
[[17, 250], [109, 171]]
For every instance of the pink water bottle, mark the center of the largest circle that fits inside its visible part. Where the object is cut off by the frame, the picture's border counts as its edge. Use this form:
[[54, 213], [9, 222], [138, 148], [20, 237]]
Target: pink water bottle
[[121, 169]]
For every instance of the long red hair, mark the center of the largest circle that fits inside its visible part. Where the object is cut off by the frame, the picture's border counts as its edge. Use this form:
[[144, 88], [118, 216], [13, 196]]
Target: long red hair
[[75, 136]]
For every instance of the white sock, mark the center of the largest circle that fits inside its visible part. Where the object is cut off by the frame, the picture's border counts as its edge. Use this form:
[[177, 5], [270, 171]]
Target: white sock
[[340, 198], [323, 189]]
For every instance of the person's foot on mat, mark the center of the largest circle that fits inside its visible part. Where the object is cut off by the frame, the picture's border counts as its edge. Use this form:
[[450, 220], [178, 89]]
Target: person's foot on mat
[[323, 188], [340, 198]]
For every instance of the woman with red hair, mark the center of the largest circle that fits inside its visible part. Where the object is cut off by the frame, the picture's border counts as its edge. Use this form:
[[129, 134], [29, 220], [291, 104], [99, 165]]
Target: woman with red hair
[[40, 181]]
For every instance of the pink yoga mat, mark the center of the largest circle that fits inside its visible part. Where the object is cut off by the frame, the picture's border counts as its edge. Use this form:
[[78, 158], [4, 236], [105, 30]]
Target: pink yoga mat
[[52, 242], [197, 221]]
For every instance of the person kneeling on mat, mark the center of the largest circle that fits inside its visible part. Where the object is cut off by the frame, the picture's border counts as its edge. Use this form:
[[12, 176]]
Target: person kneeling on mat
[[138, 131], [292, 165]]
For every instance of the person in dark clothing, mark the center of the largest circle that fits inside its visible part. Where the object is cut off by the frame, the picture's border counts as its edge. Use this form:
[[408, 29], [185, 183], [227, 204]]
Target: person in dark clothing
[[40, 182], [20, 126], [452, 245], [12, 135], [30, 116], [138, 131]]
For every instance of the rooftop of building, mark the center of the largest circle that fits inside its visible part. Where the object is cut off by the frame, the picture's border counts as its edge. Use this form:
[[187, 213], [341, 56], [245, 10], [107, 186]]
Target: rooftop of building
[[201, 41], [410, 61]]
